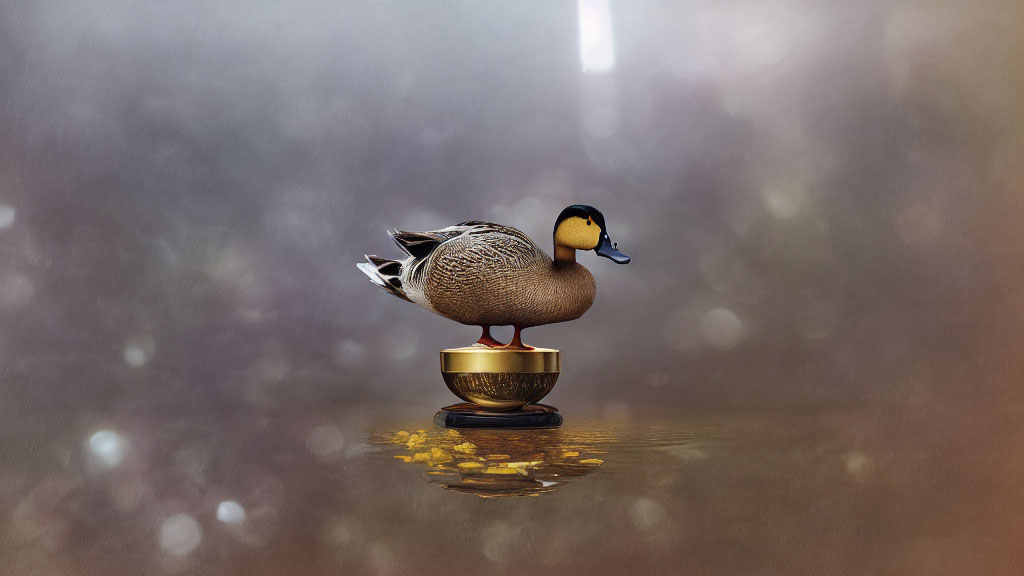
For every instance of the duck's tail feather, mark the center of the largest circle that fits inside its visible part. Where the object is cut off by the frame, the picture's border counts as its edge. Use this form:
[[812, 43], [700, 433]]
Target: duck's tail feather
[[385, 273], [417, 244]]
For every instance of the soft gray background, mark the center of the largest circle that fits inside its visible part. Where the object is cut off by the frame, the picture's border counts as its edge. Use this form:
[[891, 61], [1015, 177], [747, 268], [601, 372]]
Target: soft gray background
[[823, 204]]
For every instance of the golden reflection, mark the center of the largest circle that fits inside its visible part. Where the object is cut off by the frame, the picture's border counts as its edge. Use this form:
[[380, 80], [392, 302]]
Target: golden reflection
[[495, 463]]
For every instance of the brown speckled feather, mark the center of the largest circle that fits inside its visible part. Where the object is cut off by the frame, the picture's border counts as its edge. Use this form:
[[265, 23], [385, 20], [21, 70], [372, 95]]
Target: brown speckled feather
[[484, 274], [495, 275]]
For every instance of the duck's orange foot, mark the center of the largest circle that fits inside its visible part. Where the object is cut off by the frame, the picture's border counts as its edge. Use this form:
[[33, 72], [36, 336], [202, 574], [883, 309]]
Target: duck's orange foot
[[514, 346], [517, 342]]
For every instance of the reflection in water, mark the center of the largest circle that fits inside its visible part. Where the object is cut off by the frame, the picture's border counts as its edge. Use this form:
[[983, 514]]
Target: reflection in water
[[495, 463]]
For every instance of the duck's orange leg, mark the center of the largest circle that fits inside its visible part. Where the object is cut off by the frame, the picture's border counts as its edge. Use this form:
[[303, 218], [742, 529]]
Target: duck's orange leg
[[487, 340], [517, 341]]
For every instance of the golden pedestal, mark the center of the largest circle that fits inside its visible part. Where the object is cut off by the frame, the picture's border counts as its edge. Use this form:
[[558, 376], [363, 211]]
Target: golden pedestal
[[502, 387]]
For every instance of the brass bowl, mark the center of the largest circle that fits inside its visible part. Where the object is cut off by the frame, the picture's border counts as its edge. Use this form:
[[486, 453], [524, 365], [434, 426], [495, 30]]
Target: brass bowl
[[500, 379]]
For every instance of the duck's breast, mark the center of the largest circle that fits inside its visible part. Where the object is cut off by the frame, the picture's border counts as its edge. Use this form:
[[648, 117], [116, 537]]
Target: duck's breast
[[566, 292]]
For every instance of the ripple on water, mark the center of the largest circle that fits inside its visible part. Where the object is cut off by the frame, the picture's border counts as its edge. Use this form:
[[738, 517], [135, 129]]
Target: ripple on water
[[501, 463]]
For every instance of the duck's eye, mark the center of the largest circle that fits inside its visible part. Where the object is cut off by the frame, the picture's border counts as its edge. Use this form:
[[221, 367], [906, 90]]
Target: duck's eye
[[589, 221]]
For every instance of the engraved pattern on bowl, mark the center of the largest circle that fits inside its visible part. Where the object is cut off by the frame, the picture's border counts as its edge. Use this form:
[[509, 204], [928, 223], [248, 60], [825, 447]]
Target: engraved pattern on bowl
[[501, 390]]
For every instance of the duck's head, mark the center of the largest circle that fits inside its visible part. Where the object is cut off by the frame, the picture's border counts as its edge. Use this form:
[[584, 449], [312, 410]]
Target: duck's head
[[581, 227]]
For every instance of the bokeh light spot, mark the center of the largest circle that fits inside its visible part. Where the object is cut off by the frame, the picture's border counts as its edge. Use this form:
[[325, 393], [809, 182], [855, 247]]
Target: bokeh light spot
[[135, 356], [6, 216], [325, 441], [497, 540], [647, 514], [721, 329], [350, 353], [180, 535], [107, 448], [784, 200], [138, 351], [857, 462], [230, 512], [597, 44]]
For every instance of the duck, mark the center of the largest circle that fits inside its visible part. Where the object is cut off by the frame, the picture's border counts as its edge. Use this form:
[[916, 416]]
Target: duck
[[486, 274]]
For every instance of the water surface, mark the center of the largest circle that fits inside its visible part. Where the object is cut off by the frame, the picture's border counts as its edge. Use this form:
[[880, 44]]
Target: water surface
[[722, 493]]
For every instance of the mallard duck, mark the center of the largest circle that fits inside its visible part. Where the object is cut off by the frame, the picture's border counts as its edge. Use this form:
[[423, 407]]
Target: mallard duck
[[484, 274]]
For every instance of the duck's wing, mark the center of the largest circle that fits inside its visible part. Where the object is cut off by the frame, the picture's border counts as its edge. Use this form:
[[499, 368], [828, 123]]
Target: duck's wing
[[472, 278], [403, 278], [421, 244], [484, 248], [457, 264], [495, 238]]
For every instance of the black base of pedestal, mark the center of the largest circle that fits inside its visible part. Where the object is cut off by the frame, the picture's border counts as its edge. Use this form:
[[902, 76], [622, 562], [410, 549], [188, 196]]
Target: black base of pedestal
[[473, 416]]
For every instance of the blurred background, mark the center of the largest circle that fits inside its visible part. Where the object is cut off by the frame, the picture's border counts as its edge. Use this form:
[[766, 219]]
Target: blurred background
[[823, 203]]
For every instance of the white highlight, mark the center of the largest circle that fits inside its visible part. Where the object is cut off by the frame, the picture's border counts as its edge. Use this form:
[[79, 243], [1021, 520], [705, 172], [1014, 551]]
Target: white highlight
[[6, 216], [107, 448], [180, 535], [138, 351], [135, 356], [597, 43], [230, 512]]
